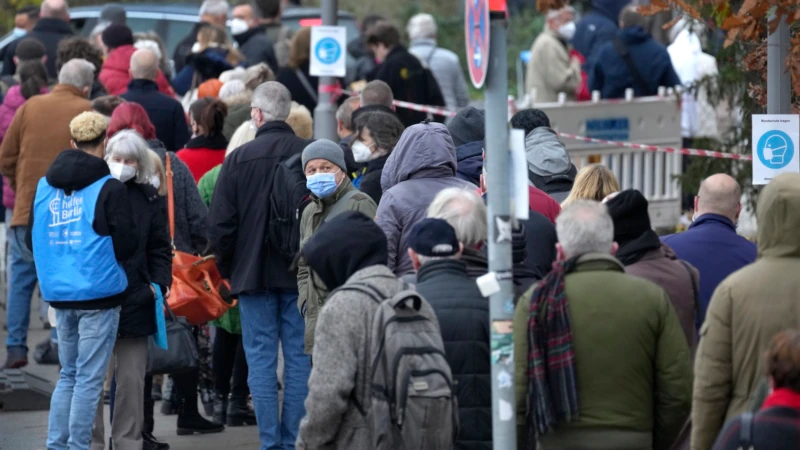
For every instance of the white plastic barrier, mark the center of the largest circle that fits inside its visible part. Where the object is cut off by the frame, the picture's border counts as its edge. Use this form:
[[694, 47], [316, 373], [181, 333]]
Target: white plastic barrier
[[647, 120]]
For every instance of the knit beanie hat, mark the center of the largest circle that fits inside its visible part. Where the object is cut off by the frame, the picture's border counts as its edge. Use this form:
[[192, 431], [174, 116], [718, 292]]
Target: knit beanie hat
[[467, 126], [116, 35], [209, 88], [324, 149], [88, 126], [29, 49], [628, 210]]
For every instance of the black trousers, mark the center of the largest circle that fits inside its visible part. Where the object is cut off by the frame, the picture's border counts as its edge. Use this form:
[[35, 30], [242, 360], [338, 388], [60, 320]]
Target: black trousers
[[229, 363]]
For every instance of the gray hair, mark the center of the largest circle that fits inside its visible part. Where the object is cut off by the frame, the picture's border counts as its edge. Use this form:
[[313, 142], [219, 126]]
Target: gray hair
[[214, 8], [273, 99], [128, 144], [585, 227], [77, 72], [345, 112], [464, 211], [555, 13], [421, 26], [377, 92]]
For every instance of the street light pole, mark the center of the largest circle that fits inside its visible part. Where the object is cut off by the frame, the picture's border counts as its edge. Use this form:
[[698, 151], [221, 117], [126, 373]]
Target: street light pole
[[325, 112], [501, 304]]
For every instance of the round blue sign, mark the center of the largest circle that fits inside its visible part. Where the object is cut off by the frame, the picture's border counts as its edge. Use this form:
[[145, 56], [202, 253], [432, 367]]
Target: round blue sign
[[328, 51], [775, 149]]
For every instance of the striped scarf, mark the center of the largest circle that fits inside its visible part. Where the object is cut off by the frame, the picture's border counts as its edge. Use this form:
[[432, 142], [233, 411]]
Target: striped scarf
[[552, 387]]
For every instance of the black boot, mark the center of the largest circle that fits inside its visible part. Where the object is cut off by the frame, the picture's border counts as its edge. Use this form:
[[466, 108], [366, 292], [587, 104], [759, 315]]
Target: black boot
[[191, 422], [149, 442], [220, 408], [239, 413]]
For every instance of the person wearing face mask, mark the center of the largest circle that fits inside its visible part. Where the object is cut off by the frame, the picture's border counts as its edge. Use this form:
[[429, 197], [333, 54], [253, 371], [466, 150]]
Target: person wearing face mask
[[332, 193], [375, 138], [551, 69], [250, 34], [129, 161]]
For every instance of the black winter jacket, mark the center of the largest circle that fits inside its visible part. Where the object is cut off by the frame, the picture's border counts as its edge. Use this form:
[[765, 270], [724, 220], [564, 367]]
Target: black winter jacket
[[371, 180], [237, 219], [152, 262], [463, 315], [776, 428], [73, 170], [289, 78], [50, 32], [255, 46], [410, 82], [184, 47], [540, 244], [164, 112]]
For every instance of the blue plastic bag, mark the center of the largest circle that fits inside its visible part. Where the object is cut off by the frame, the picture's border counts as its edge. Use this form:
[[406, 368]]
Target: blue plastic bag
[[160, 337]]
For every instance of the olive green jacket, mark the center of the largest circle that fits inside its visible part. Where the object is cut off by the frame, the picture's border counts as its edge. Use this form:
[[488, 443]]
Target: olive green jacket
[[312, 291], [632, 361]]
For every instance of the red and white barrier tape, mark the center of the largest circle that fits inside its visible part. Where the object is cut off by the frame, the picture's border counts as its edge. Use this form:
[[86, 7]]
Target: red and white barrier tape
[[652, 148]]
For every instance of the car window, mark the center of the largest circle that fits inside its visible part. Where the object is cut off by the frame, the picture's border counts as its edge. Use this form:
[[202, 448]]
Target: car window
[[140, 25], [176, 31]]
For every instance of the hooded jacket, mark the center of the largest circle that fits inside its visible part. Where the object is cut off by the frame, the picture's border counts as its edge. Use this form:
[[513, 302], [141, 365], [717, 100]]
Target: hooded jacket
[[470, 162], [422, 164], [713, 247], [746, 311], [164, 112], [597, 27], [11, 103], [115, 74], [463, 314], [312, 293], [611, 76], [549, 166], [74, 170]]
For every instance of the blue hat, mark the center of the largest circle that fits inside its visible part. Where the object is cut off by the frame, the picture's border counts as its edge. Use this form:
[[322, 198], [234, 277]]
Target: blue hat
[[433, 237]]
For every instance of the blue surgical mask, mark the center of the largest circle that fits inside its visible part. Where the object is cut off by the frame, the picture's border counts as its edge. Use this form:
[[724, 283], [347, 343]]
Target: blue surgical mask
[[322, 184]]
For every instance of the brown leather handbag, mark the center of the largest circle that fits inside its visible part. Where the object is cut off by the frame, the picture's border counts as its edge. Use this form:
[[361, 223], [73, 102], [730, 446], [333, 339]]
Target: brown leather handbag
[[198, 291]]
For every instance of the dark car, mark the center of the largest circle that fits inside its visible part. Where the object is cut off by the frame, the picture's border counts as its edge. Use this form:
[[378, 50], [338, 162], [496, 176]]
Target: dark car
[[173, 22]]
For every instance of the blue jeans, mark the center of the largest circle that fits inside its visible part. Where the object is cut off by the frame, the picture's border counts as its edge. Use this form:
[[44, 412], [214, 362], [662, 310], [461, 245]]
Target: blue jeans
[[267, 318], [87, 340], [21, 284]]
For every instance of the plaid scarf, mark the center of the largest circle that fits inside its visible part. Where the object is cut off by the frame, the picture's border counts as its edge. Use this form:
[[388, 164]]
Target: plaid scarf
[[552, 388]]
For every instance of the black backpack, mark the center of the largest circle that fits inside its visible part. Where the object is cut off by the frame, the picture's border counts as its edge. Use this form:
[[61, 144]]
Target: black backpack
[[287, 200]]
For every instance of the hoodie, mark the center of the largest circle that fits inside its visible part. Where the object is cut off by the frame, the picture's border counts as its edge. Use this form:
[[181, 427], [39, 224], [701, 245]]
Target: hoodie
[[74, 170], [115, 74], [746, 311], [549, 166], [597, 27], [422, 164]]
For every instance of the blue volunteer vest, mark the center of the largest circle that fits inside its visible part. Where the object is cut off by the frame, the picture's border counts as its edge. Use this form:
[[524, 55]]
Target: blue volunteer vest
[[73, 262]]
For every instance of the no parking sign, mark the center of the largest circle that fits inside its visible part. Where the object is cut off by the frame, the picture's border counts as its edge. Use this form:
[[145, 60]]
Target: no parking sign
[[328, 56], [476, 30]]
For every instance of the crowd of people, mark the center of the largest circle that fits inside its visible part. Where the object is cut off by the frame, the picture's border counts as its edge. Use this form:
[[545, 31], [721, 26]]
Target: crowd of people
[[354, 263]]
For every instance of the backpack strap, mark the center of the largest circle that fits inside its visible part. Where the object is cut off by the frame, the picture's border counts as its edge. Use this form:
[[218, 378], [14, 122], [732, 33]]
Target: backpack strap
[[306, 84], [341, 204], [623, 52], [695, 288], [746, 432]]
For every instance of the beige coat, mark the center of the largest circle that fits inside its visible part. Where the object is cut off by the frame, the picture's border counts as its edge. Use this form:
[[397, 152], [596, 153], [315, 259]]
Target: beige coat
[[551, 70], [746, 311]]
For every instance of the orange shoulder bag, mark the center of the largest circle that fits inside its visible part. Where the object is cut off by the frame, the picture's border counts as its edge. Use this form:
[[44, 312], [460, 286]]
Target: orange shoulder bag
[[198, 291]]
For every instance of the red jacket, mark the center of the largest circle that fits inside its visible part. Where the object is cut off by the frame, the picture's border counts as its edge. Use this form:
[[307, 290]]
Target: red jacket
[[115, 74], [542, 203], [203, 153]]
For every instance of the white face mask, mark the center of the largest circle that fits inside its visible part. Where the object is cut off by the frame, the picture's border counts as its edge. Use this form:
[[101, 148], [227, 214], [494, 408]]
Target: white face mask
[[196, 47], [155, 180], [361, 151], [121, 171], [567, 31], [238, 26]]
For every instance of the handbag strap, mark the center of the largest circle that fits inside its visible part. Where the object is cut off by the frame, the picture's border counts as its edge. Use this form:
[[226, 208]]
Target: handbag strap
[[170, 201], [746, 432], [306, 84]]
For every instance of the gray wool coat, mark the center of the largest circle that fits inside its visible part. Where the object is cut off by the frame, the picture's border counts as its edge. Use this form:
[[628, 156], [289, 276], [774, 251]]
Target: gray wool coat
[[341, 367], [191, 226]]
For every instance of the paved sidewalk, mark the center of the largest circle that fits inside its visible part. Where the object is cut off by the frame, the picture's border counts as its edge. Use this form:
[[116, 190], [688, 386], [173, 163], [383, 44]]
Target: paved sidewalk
[[28, 430]]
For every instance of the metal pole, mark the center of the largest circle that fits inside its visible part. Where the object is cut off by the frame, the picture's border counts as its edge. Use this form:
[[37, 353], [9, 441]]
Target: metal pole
[[325, 112], [501, 304], [779, 84]]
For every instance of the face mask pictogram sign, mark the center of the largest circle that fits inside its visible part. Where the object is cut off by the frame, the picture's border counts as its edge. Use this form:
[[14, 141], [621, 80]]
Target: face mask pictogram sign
[[775, 146]]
